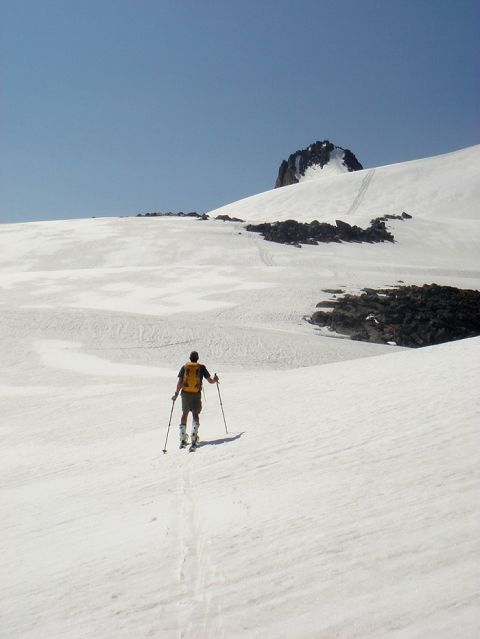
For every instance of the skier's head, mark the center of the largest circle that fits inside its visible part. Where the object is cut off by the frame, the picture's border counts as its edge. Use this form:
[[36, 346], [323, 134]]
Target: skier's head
[[194, 356]]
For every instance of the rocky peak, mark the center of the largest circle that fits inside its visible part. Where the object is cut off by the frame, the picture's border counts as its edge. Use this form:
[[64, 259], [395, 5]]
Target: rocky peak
[[309, 163]]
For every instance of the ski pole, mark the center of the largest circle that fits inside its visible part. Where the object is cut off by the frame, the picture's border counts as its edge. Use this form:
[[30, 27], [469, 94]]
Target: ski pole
[[168, 429], [221, 406]]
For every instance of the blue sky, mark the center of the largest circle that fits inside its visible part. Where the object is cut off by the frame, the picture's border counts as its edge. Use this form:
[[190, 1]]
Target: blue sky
[[118, 107]]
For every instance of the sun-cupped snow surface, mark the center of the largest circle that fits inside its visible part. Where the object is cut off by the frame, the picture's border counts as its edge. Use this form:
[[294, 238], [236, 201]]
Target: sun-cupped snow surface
[[342, 501], [445, 186]]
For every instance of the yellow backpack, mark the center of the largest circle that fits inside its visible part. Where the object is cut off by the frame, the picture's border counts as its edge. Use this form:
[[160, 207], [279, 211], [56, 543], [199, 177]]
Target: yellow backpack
[[192, 377]]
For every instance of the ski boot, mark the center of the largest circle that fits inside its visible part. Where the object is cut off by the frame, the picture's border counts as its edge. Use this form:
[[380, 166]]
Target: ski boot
[[195, 438]]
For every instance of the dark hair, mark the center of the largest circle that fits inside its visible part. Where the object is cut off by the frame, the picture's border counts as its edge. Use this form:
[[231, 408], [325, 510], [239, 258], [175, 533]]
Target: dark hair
[[194, 356]]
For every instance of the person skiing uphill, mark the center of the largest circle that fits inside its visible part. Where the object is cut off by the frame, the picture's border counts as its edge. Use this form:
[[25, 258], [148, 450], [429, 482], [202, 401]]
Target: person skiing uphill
[[190, 378]]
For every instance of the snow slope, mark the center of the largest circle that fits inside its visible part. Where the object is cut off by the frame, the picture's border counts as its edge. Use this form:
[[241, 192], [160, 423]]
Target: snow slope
[[446, 186], [342, 502]]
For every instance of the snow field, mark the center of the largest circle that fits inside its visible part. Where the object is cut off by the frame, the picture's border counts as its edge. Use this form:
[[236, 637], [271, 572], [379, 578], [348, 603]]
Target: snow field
[[343, 500], [348, 511]]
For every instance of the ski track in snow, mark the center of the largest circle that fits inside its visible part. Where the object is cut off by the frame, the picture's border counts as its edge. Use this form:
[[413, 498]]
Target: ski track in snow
[[196, 616], [265, 255], [361, 192]]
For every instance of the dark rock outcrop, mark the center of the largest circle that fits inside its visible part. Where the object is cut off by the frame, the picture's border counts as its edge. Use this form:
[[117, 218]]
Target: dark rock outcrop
[[201, 216], [317, 154], [297, 233], [227, 218], [407, 316]]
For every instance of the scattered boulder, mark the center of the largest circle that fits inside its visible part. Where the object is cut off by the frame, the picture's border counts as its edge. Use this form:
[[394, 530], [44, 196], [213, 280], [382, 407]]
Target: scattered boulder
[[407, 316], [403, 216]]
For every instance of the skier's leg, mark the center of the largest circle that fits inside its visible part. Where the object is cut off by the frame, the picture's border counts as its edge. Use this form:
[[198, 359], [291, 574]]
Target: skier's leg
[[183, 424], [195, 426], [183, 433]]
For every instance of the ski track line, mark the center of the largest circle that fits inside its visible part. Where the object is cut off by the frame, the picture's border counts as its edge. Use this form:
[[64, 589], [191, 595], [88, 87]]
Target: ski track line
[[361, 192], [195, 568], [264, 253]]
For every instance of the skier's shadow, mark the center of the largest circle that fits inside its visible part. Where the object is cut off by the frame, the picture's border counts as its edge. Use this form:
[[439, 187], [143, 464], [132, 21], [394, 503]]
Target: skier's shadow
[[216, 442]]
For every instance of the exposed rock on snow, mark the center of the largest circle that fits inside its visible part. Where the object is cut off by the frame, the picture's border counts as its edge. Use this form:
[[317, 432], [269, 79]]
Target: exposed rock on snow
[[227, 218], [308, 163], [172, 214], [407, 316], [297, 233]]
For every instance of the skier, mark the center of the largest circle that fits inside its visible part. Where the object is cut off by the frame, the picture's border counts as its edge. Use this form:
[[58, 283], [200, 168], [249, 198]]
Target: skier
[[190, 379]]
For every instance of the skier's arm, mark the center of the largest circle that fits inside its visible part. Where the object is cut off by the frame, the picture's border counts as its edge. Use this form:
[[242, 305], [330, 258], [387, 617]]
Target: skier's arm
[[178, 389], [179, 386], [206, 375]]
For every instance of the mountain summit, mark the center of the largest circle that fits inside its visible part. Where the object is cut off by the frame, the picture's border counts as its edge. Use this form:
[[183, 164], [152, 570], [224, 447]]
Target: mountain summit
[[318, 159]]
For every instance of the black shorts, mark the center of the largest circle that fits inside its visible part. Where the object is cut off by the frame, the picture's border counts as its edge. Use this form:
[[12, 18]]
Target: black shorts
[[191, 402]]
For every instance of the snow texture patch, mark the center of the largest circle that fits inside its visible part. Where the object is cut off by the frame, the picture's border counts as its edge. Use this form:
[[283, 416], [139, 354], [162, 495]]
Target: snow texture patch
[[62, 355]]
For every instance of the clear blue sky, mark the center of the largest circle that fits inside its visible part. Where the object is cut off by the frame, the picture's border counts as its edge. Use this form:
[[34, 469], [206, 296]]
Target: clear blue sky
[[115, 107]]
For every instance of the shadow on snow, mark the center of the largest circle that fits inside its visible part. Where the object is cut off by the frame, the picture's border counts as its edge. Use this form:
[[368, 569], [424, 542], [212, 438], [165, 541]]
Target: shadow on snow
[[216, 442]]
